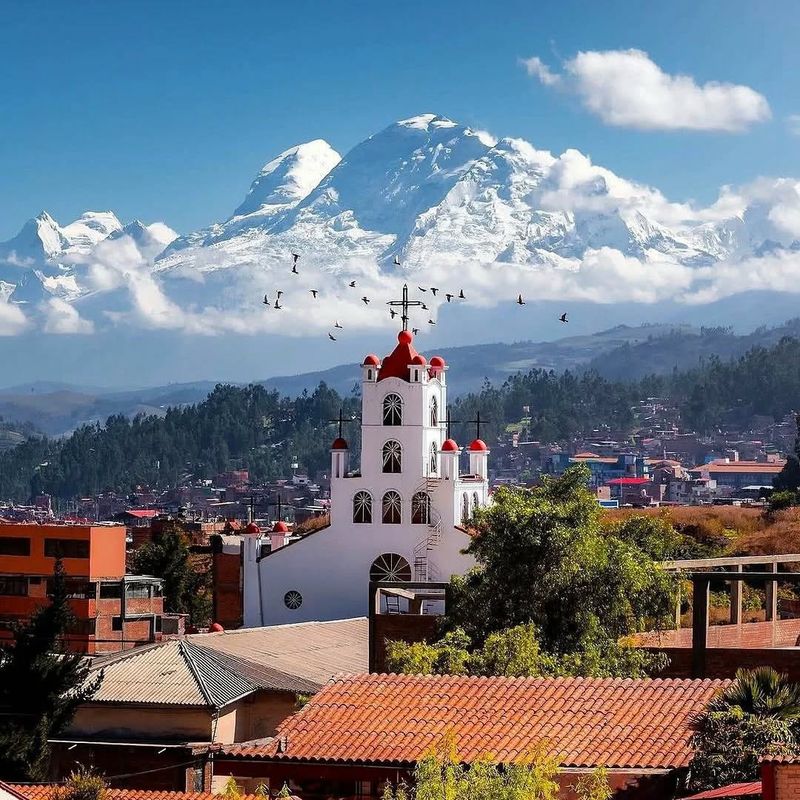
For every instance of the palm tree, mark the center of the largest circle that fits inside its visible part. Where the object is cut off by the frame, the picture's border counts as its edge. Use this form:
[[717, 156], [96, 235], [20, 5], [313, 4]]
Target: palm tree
[[762, 692]]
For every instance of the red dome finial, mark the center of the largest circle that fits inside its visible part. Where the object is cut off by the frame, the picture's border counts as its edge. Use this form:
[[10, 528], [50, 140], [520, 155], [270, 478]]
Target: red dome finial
[[252, 527], [339, 444], [449, 446], [478, 446], [280, 527], [372, 361], [215, 627], [405, 337]]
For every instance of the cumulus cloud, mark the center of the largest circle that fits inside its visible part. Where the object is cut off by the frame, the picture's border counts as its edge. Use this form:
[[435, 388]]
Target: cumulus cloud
[[626, 88], [61, 317], [12, 319]]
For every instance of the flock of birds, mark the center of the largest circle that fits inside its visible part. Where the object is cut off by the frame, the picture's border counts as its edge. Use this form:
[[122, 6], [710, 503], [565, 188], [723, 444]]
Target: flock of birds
[[434, 290]]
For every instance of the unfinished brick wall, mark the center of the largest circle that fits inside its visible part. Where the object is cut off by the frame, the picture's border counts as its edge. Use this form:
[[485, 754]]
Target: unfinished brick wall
[[781, 633], [226, 576], [397, 627], [722, 662]]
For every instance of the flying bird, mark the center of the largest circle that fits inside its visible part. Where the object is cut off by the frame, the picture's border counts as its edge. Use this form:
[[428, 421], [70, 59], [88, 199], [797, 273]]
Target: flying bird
[[520, 301], [266, 300], [461, 294], [392, 313], [434, 290], [280, 293], [331, 336], [421, 289], [366, 300], [396, 261], [313, 293], [415, 331], [449, 296], [352, 284], [563, 317], [424, 307], [278, 305], [336, 324], [294, 269], [431, 322], [295, 256]]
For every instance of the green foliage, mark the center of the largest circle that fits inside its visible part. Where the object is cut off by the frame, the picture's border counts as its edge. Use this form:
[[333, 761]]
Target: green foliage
[[787, 481], [594, 786], [231, 790], [40, 687], [186, 590], [242, 427], [542, 559], [83, 783], [756, 715]]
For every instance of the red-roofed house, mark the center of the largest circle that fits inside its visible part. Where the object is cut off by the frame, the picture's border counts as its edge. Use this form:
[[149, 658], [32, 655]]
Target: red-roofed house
[[362, 730]]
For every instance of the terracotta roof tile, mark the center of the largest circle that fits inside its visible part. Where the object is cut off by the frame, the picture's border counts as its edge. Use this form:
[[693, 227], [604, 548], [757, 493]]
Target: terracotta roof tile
[[587, 721], [44, 791]]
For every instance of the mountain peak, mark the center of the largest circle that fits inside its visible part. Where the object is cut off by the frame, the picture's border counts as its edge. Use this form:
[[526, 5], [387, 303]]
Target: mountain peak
[[426, 121]]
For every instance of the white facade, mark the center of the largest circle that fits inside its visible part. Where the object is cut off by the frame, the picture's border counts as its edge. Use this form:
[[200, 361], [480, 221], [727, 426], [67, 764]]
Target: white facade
[[397, 518]]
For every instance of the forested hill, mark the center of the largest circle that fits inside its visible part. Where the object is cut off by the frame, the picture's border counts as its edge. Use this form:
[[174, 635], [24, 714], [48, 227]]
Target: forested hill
[[251, 427]]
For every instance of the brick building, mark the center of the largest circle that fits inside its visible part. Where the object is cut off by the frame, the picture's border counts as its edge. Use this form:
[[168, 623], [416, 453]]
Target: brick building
[[113, 611]]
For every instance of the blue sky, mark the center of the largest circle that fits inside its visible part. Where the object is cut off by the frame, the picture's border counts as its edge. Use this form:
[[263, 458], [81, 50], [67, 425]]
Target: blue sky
[[165, 111]]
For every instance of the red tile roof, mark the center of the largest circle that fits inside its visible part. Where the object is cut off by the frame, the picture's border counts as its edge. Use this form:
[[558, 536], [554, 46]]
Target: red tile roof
[[628, 481], [395, 719], [731, 790], [395, 365], [44, 791]]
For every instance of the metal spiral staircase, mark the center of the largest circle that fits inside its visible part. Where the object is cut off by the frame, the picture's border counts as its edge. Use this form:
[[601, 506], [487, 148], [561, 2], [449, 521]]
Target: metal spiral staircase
[[424, 569]]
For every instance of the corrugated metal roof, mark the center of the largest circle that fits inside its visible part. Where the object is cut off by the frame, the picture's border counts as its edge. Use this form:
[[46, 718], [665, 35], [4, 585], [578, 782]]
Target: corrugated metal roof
[[301, 657], [731, 790]]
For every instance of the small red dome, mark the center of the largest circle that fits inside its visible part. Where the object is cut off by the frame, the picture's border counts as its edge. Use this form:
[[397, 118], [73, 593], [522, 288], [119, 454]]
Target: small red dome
[[252, 528], [280, 527], [339, 444], [478, 446], [405, 337], [437, 362], [372, 361], [419, 359], [449, 446], [215, 627]]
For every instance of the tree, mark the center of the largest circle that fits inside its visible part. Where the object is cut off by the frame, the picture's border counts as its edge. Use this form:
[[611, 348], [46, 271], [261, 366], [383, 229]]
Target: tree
[[41, 686], [543, 560], [788, 479], [83, 783], [440, 775], [754, 716], [185, 589]]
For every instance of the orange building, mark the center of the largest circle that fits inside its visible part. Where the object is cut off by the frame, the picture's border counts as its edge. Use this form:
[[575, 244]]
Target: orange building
[[113, 611]]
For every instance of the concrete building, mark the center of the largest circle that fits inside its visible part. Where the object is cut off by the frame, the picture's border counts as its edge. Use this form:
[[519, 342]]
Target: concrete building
[[113, 611], [399, 516], [737, 474]]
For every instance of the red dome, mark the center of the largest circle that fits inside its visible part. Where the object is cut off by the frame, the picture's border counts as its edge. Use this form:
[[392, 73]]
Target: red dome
[[280, 527], [419, 359], [478, 446], [449, 446], [339, 444], [252, 528], [215, 627], [372, 361], [405, 337], [437, 362]]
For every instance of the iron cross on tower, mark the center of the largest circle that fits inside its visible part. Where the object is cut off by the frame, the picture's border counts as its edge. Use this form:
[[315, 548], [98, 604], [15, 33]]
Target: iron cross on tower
[[477, 422], [405, 304], [341, 422], [448, 421]]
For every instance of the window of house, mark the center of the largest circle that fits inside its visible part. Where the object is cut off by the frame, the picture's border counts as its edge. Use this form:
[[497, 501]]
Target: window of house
[[16, 587], [363, 789], [434, 460], [293, 599], [392, 508], [110, 591], [362, 507], [434, 412], [392, 409], [15, 546], [137, 590], [420, 508], [66, 548], [475, 502], [390, 567], [465, 507], [76, 588], [392, 457], [116, 623]]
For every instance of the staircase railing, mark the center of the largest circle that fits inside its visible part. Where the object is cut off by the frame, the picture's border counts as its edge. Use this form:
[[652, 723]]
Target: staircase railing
[[424, 569]]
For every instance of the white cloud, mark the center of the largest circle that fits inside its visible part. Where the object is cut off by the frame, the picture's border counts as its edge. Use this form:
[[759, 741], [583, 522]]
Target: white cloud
[[793, 123], [12, 320], [63, 318], [627, 88]]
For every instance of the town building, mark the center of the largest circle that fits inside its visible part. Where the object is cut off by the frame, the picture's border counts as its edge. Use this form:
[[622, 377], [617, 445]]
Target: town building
[[602, 468], [112, 610], [737, 474], [399, 516], [361, 731]]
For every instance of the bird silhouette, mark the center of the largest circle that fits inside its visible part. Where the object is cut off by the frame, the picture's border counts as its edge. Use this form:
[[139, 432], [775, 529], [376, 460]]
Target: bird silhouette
[[294, 269], [434, 290], [563, 318], [266, 300], [520, 301], [449, 296], [415, 331], [336, 324], [313, 293], [280, 293], [331, 336], [396, 261], [352, 284], [421, 289], [295, 256], [366, 300], [461, 294], [424, 307], [278, 305], [431, 322], [392, 313]]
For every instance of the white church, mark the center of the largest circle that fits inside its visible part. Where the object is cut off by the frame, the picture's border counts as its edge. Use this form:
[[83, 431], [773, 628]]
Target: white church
[[399, 517]]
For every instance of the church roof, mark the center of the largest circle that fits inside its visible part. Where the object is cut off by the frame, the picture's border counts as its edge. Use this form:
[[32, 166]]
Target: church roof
[[395, 365]]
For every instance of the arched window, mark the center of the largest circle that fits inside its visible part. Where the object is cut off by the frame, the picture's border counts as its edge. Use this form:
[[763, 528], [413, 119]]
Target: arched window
[[476, 503], [421, 508], [433, 466], [362, 507], [465, 507], [434, 412], [392, 457], [369, 374], [392, 508], [392, 410], [390, 567]]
